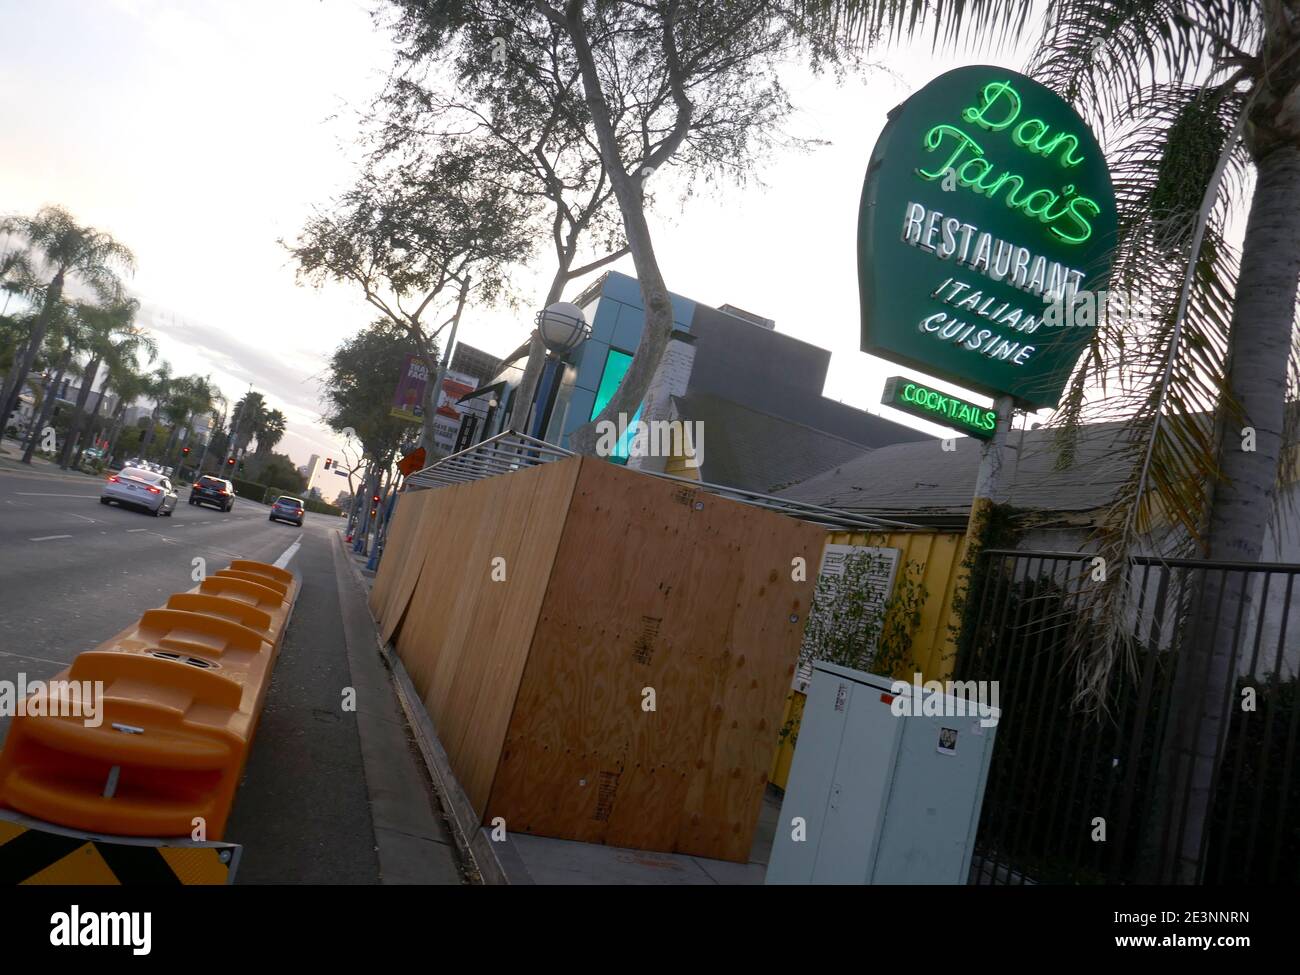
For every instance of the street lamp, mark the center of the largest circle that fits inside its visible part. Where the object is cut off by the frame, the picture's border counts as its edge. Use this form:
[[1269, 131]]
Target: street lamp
[[562, 327]]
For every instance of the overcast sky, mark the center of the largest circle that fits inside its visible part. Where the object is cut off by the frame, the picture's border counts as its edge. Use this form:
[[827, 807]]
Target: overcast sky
[[201, 133]]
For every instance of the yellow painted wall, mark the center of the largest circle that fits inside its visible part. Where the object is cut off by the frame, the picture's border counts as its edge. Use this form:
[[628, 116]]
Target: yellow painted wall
[[939, 556]]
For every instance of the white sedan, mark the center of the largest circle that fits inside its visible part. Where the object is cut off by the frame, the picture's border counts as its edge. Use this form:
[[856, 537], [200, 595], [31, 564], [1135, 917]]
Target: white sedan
[[142, 489]]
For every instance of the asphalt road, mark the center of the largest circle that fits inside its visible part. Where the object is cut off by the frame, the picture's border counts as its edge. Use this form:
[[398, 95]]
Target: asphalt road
[[73, 572]]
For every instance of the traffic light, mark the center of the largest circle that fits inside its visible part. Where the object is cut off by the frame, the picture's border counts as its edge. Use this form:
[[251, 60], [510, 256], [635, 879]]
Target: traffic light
[[185, 451], [328, 462], [230, 462], [374, 498]]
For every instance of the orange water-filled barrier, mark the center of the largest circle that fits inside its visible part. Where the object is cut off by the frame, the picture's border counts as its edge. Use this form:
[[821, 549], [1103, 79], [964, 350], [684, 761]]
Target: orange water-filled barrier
[[181, 692]]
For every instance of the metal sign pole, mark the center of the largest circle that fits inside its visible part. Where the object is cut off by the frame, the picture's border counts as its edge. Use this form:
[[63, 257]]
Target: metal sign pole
[[989, 486]]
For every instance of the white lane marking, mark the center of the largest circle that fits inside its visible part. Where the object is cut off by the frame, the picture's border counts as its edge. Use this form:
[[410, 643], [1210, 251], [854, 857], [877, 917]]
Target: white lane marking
[[47, 538], [41, 494], [283, 561], [129, 530], [83, 517], [28, 656]]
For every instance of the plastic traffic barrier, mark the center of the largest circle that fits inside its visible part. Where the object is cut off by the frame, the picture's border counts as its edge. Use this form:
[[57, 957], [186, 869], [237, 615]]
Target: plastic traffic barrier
[[182, 690]]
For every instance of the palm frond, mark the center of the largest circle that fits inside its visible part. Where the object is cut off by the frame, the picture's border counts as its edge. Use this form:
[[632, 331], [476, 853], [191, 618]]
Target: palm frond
[[1160, 357], [1106, 56], [949, 22]]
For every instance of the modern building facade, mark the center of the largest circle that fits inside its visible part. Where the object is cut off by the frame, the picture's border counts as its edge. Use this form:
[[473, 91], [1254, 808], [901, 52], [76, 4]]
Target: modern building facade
[[753, 392]]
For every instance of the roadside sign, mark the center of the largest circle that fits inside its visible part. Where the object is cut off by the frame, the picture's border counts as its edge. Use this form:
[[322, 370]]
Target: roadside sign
[[987, 215], [931, 404]]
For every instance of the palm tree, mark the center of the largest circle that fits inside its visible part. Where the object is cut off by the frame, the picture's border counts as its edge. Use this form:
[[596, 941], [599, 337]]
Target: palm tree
[[129, 384], [65, 338], [64, 247], [249, 414], [270, 431], [194, 396], [120, 355], [217, 423], [1193, 98], [104, 325], [159, 389]]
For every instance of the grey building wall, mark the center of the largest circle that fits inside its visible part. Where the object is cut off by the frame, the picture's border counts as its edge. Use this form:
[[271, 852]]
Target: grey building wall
[[777, 374]]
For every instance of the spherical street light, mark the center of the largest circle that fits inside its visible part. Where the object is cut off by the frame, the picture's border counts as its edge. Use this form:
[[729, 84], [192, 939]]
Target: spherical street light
[[562, 327]]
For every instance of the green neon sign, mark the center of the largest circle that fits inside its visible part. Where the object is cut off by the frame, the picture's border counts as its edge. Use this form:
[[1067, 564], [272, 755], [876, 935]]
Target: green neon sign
[[931, 404], [987, 206]]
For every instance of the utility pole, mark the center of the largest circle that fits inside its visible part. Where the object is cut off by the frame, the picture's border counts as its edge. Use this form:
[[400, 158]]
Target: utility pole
[[442, 369]]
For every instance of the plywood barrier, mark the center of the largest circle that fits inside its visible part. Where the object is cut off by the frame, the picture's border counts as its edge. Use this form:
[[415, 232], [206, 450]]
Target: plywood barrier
[[182, 690], [620, 679]]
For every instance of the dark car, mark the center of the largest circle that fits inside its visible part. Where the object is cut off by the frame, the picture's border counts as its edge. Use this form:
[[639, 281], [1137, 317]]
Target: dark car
[[213, 490], [287, 509]]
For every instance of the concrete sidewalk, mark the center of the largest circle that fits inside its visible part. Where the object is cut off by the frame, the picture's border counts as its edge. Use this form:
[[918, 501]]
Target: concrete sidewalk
[[11, 454], [334, 791]]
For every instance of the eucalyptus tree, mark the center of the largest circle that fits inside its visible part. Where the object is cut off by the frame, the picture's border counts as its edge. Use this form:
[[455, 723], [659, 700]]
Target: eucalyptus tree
[[103, 326], [63, 249], [409, 236], [662, 82], [357, 390], [534, 139]]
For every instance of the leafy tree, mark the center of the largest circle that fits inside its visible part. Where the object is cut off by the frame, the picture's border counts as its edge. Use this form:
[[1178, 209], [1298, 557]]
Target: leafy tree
[[358, 388], [406, 235], [64, 248], [662, 81]]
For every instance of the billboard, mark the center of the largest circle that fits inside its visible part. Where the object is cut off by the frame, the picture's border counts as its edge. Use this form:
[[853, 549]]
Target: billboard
[[987, 216], [408, 398]]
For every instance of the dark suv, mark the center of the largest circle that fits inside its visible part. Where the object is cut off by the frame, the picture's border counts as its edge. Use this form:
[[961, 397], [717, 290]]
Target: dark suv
[[213, 490]]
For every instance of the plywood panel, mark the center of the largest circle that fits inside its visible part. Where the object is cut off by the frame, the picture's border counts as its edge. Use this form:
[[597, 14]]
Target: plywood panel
[[765, 611], [656, 585], [466, 637], [402, 561]]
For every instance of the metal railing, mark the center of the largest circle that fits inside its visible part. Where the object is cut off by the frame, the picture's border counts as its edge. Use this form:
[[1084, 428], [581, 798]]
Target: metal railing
[[507, 452], [1129, 792], [501, 454]]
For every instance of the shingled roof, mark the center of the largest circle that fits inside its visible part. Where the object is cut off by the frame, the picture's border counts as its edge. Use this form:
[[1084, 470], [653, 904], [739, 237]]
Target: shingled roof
[[922, 479], [749, 449]]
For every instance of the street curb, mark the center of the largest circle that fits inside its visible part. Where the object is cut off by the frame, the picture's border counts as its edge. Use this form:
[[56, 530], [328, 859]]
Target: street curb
[[494, 863], [399, 790]]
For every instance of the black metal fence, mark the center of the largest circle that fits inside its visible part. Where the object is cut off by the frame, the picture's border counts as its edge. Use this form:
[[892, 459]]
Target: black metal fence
[[1118, 795]]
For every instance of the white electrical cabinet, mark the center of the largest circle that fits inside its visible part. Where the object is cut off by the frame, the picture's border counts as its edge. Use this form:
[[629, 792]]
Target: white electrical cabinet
[[882, 792]]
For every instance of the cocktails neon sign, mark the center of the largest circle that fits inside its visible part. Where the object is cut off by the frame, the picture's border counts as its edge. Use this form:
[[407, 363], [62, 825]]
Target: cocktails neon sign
[[943, 408], [1067, 213]]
